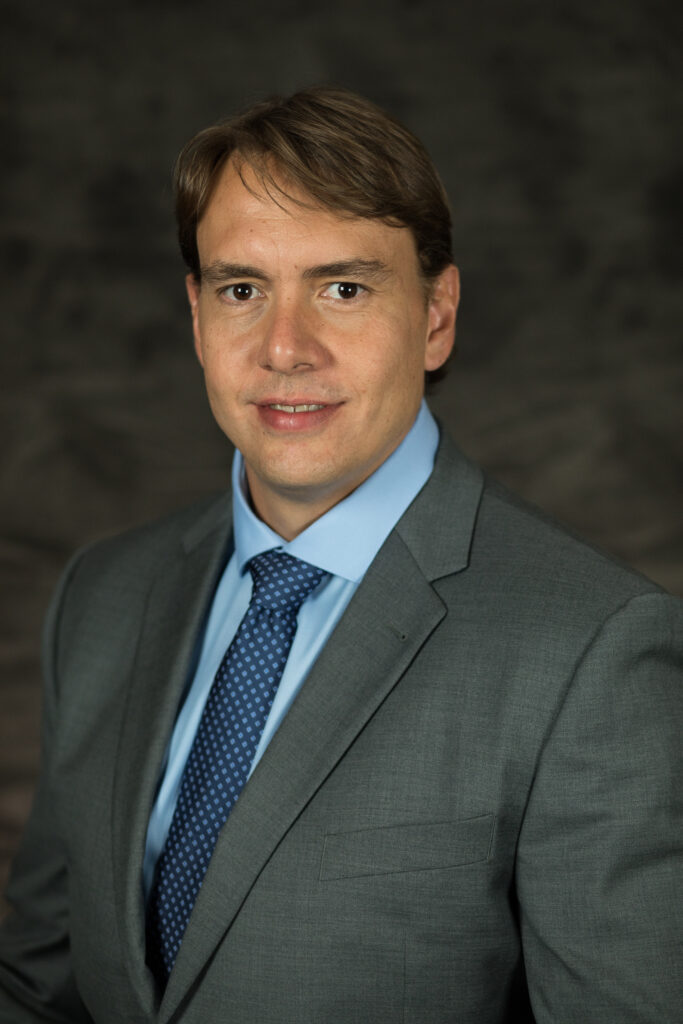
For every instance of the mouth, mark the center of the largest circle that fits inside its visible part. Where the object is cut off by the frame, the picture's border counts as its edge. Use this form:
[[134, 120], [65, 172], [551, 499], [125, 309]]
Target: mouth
[[279, 407], [297, 416]]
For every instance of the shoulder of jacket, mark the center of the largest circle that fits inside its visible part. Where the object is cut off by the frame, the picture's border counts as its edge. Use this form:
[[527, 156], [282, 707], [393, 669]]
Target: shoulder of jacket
[[151, 542]]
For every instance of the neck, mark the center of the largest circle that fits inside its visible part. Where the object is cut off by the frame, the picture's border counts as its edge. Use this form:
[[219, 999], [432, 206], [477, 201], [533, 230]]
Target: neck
[[289, 518], [290, 514]]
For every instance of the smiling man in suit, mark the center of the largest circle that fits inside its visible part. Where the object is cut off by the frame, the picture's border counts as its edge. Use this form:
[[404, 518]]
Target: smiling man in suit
[[368, 740]]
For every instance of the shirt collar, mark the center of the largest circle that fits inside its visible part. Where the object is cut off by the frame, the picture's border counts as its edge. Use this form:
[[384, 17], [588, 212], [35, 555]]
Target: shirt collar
[[346, 539]]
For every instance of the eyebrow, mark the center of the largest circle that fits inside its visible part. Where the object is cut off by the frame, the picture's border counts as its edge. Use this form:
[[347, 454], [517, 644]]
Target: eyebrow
[[374, 269], [220, 270]]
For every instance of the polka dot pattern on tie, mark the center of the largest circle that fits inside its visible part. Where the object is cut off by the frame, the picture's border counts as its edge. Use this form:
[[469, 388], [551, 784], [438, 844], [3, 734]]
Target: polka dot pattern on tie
[[222, 752]]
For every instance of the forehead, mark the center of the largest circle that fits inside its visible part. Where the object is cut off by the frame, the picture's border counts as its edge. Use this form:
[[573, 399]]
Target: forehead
[[243, 215]]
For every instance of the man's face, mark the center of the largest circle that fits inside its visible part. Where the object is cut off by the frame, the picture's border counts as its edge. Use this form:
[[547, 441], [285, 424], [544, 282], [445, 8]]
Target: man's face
[[314, 332]]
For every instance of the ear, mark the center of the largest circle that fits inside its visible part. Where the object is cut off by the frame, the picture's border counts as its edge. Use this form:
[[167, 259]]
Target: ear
[[443, 308], [193, 288]]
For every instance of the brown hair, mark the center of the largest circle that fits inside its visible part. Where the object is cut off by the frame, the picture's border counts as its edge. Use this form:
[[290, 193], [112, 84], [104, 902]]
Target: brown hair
[[336, 147]]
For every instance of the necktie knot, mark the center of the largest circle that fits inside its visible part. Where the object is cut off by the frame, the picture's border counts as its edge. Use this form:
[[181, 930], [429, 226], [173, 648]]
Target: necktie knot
[[281, 581]]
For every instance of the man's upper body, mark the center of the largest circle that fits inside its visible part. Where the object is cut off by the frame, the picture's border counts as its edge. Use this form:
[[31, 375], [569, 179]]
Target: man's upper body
[[466, 803]]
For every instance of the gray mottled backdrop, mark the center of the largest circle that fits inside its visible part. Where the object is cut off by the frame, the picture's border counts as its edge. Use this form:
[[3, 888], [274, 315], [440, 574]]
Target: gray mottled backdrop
[[556, 127]]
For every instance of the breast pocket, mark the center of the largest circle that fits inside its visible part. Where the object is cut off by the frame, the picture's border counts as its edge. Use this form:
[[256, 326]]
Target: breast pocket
[[400, 848]]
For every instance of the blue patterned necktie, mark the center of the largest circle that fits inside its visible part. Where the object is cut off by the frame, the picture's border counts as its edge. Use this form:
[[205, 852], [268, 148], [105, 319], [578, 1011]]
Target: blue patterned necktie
[[222, 752]]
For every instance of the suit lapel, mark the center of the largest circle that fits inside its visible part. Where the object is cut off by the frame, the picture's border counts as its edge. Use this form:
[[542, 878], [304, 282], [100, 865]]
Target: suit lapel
[[390, 617], [174, 614]]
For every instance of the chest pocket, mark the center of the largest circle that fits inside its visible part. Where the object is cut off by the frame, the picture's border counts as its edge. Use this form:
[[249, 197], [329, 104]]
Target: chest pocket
[[399, 848]]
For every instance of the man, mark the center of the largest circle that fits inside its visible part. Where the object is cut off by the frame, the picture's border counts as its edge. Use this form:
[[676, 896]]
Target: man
[[370, 741]]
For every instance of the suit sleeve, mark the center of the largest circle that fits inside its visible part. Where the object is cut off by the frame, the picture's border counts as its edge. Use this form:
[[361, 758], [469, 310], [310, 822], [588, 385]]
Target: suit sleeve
[[600, 854], [36, 981]]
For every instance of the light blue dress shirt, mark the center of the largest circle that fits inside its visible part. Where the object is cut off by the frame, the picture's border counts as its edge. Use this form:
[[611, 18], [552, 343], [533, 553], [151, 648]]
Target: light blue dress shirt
[[343, 542]]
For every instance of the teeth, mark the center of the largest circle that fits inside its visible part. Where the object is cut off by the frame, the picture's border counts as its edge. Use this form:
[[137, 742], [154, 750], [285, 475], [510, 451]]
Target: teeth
[[297, 408]]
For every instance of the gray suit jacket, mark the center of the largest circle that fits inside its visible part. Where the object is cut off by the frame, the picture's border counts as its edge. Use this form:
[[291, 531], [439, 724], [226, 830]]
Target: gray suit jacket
[[471, 814]]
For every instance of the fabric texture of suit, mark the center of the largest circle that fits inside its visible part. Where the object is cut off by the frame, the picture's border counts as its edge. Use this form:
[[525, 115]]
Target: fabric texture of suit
[[471, 813]]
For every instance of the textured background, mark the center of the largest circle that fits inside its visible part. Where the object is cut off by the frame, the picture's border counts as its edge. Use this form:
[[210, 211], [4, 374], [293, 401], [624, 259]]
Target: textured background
[[556, 127]]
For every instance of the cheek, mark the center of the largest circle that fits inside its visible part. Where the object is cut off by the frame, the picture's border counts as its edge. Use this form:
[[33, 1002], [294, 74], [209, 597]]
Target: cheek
[[220, 357], [221, 379], [399, 363]]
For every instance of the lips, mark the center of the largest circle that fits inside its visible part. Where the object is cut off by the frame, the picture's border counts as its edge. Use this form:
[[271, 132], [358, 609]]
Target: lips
[[295, 408], [296, 416]]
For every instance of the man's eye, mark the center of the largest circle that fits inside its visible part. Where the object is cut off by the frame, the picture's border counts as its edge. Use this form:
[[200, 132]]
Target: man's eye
[[241, 292], [345, 290]]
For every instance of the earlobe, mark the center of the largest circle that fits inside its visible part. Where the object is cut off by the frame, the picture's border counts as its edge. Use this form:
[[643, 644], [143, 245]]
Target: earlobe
[[443, 308]]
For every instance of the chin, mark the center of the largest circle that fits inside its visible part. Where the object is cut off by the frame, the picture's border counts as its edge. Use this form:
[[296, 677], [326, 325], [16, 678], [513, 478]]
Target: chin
[[302, 486]]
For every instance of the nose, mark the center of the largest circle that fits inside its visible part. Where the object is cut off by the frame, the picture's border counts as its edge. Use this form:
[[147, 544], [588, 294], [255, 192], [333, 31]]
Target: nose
[[289, 343]]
